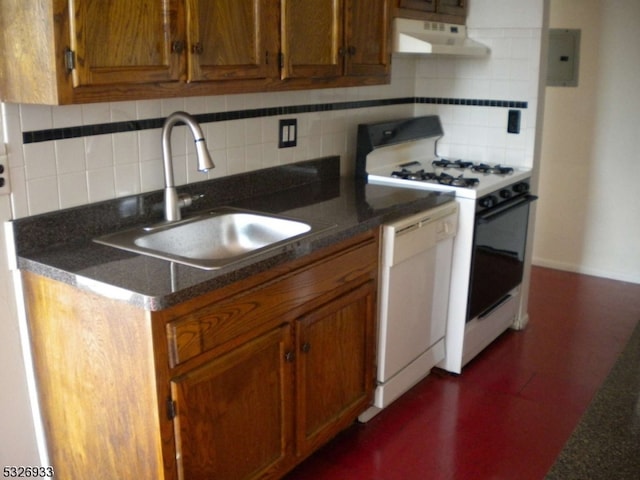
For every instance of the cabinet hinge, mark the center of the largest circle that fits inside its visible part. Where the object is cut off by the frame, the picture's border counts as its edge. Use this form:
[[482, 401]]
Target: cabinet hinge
[[171, 409], [69, 59], [281, 59]]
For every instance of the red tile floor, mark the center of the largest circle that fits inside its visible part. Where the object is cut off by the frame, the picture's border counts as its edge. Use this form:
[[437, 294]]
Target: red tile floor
[[510, 412]]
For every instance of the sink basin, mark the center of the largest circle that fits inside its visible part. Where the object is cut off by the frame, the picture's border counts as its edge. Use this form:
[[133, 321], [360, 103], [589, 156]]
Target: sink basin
[[212, 240]]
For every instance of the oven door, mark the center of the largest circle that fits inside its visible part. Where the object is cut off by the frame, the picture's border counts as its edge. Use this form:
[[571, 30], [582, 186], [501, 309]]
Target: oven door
[[497, 262]]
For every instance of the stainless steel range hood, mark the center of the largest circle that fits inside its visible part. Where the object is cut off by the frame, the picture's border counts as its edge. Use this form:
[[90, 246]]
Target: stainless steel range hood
[[434, 38]]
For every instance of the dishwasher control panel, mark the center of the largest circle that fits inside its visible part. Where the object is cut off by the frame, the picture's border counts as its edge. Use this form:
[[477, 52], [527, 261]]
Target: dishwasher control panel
[[410, 235]]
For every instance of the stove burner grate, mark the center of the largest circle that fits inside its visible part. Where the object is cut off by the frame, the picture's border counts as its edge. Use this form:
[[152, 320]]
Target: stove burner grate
[[419, 175], [495, 169], [444, 163], [458, 181], [442, 178]]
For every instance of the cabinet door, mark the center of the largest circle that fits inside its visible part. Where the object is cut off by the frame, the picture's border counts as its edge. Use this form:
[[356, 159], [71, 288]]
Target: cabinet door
[[232, 39], [453, 7], [421, 5], [335, 359], [312, 38], [367, 37], [233, 414], [121, 41]]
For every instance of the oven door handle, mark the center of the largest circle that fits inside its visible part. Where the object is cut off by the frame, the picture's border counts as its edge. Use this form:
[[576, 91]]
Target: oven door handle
[[504, 208]]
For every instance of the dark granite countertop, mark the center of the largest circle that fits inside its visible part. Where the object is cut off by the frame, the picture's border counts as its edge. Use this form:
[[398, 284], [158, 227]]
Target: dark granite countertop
[[59, 245]]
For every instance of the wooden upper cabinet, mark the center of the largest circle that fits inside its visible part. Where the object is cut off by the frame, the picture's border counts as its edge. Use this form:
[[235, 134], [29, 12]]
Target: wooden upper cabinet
[[332, 38], [87, 51], [312, 38], [421, 5], [447, 11], [232, 39], [453, 7], [367, 33], [121, 41]]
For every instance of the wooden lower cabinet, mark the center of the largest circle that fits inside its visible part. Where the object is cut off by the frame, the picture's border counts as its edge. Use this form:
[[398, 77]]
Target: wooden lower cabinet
[[335, 367], [241, 383], [233, 415], [94, 365]]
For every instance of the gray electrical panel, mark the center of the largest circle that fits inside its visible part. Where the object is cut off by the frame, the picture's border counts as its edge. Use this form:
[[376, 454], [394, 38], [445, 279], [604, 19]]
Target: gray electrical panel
[[564, 53]]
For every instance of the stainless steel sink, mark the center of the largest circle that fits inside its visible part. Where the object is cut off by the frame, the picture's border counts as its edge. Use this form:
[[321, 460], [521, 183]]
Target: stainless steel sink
[[212, 240]]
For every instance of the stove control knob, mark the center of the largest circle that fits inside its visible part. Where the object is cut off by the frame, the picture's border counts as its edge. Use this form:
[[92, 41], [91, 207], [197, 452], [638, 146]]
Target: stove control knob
[[521, 187], [505, 193], [488, 201]]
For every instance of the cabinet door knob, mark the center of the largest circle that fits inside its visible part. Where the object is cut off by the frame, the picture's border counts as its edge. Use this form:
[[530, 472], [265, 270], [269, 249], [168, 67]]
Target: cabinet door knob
[[197, 48], [177, 47], [351, 50], [306, 347], [289, 356]]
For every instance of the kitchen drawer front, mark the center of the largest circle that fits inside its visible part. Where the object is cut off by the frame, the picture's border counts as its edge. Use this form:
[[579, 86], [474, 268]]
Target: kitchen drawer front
[[270, 304]]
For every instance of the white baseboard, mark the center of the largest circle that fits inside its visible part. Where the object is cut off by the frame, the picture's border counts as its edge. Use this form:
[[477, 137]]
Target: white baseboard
[[568, 267]]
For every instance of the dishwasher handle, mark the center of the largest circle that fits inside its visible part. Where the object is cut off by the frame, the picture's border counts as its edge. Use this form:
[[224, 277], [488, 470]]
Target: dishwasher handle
[[401, 243], [408, 229], [424, 221]]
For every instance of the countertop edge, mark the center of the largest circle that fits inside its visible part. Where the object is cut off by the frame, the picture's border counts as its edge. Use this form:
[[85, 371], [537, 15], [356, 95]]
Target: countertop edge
[[237, 273]]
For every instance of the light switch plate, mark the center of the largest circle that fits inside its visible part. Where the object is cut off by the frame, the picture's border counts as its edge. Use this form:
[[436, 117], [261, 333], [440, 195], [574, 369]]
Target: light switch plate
[[288, 133], [4, 176], [513, 121]]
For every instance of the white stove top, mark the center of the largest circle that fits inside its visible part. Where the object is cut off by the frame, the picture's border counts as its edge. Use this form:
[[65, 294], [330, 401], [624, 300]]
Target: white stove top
[[487, 183], [411, 157]]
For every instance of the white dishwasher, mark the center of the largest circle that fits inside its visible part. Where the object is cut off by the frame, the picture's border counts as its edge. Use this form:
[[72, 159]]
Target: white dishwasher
[[413, 295]]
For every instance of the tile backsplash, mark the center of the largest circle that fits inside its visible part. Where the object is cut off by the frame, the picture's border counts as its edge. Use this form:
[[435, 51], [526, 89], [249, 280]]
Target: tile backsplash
[[50, 175], [510, 71], [65, 172]]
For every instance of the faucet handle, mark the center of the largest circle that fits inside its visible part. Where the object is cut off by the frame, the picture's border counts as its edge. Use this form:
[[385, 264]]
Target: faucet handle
[[186, 200]]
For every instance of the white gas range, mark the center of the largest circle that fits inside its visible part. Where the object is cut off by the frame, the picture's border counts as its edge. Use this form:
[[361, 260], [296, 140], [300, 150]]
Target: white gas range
[[414, 164], [487, 264]]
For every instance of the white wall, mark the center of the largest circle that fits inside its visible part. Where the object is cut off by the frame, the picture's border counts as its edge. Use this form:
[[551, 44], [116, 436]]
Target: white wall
[[588, 212], [18, 437]]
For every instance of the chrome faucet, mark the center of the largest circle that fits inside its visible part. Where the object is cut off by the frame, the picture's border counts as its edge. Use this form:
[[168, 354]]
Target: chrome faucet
[[171, 201]]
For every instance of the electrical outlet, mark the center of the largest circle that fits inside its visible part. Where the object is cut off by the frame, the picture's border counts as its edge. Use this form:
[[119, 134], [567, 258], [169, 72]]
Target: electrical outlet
[[288, 133], [4, 176], [513, 123]]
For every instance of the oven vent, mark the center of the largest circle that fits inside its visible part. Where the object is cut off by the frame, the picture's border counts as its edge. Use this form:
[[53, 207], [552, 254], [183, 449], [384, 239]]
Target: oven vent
[[433, 38]]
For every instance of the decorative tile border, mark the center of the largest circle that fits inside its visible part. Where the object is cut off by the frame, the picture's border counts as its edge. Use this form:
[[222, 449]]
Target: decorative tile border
[[472, 102], [36, 136]]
